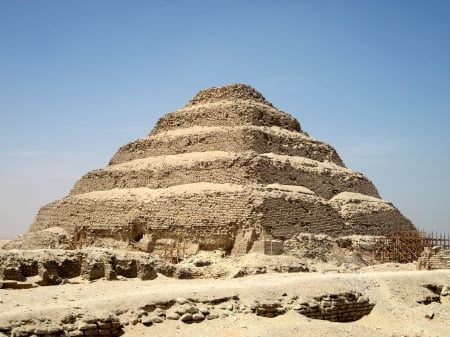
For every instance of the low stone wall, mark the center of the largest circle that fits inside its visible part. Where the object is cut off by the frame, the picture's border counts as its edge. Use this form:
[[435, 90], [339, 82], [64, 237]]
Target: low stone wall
[[54, 266], [69, 326], [434, 258], [343, 307]]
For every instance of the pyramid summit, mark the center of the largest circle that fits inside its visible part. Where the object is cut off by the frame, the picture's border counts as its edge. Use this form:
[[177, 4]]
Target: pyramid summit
[[227, 171], [228, 92]]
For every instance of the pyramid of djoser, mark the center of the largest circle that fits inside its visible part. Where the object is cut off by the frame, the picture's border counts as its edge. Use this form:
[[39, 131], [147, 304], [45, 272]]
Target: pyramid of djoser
[[227, 171]]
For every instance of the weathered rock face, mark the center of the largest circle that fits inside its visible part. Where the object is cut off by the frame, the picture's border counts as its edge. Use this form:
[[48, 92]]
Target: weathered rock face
[[227, 171], [55, 265]]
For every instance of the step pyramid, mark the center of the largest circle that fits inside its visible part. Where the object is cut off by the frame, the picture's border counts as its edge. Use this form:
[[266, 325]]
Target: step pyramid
[[227, 171]]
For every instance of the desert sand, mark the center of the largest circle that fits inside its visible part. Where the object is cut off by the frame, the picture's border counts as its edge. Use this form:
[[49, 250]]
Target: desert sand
[[395, 289]]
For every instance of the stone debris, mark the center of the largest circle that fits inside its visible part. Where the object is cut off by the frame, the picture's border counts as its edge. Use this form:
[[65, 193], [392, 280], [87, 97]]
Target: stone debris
[[108, 326], [342, 307]]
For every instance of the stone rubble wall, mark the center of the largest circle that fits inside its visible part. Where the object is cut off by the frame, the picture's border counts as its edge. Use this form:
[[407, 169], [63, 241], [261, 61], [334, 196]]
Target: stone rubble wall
[[69, 326], [434, 258], [335, 307], [343, 307], [229, 139], [55, 266], [229, 113], [221, 167], [41, 239]]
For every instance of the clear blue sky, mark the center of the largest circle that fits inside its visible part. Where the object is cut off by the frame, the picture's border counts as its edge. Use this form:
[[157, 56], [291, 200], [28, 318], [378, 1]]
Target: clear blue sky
[[78, 79]]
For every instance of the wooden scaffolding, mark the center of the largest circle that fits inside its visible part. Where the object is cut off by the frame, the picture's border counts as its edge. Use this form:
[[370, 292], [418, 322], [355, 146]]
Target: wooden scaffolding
[[406, 246]]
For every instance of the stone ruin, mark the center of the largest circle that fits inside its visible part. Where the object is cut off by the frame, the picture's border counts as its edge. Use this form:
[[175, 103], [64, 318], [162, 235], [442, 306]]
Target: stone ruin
[[228, 171], [434, 258]]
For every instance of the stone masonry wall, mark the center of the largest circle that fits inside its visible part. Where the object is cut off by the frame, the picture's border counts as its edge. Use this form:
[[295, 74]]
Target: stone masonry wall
[[378, 223], [245, 168], [230, 113], [194, 217], [221, 171], [197, 218], [343, 307], [290, 217], [212, 219], [434, 258], [229, 139], [324, 182]]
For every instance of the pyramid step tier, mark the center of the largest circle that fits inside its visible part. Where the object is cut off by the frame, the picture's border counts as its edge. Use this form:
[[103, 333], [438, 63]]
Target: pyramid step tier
[[231, 139], [229, 92], [323, 178], [226, 113], [191, 212], [369, 215]]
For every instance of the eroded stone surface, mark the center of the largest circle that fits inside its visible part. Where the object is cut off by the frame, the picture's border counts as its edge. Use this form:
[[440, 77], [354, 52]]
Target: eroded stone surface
[[228, 171]]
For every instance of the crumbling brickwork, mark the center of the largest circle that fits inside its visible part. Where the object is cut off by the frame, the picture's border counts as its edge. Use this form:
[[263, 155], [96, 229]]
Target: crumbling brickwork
[[344, 307], [230, 139], [244, 169], [434, 258], [226, 113]]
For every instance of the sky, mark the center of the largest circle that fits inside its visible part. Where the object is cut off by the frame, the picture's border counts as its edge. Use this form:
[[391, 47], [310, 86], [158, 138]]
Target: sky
[[78, 79]]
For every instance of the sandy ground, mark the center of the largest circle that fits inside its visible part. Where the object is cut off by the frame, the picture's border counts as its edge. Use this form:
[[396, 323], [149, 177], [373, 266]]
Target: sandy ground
[[394, 290]]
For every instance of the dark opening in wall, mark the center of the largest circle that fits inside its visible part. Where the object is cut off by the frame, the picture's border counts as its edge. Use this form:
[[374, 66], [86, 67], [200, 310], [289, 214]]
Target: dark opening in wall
[[137, 237]]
